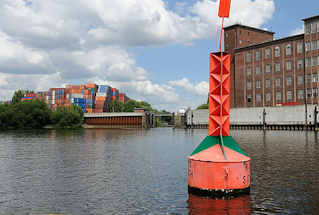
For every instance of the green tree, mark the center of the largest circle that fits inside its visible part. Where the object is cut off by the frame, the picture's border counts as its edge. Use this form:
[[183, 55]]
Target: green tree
[[18, 95], [24, 115], [129, 106], [67, 117], [203, 106]]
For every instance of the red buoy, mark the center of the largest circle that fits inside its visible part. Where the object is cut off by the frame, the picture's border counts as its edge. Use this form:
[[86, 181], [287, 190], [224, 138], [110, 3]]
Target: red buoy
[[218, 166]]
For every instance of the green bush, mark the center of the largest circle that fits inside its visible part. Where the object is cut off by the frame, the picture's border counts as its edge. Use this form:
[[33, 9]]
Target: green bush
[[67, 117], [24, 115]]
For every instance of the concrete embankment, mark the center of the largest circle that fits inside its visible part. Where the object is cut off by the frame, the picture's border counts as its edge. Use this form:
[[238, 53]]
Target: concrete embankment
[[285, 117]]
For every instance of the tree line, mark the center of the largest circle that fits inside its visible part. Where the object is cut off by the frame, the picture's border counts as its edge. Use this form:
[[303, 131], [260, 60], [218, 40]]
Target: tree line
[[35, 114]]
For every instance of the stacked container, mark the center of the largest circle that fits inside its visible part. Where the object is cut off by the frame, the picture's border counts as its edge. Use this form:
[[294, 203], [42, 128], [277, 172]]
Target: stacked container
[[43, 96], [115, 94], [29, 97], [122, 98], [90, 97], [102, 95]]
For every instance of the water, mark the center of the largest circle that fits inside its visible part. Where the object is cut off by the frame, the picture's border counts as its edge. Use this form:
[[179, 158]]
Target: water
[[98, 171]]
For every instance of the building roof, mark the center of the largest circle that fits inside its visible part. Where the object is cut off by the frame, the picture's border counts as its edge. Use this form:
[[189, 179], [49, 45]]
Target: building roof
[[310, 18], [249, 28], [272, 42]]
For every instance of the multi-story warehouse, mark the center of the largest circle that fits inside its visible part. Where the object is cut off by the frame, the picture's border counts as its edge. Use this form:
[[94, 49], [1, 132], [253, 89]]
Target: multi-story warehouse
[[268, 72]]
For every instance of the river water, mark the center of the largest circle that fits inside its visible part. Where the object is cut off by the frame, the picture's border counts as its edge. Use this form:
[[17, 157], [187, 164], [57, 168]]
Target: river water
[[101, 171]]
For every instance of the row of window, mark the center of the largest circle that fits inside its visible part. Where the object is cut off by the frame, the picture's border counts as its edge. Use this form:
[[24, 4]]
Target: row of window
[[312, 27], [312, 78], [312, 61], [289, 96], [313, 45], [277, 66], [288, 49], [277, 82]]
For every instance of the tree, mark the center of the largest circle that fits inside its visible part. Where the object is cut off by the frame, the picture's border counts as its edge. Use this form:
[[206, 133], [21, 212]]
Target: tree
[[203, 106], [18, 95], [67, 117], [24, 115]]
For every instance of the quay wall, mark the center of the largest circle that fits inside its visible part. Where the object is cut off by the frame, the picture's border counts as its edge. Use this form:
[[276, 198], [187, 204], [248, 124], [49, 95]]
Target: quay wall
[[284, 115]]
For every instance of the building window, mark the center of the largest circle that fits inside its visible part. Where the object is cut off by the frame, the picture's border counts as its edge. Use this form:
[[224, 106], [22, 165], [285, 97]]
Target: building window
[[315, 92], [240, 42], [300, 94], [289, 95], [313, 27], [248, 85], [278, 80], [315, 61], [257, 70], [309, 92], [277, 51], [248, 57], [249, 98], [258, 84], [308, 62], [268, 97], [288, 49], [299, 48], [257, 55], [308, 28], [267, 83], [278, 96], [300, 64], [277, 67], [258, 97], [267, 68], [248, 71], [289, 81], [288, 65], [300, 79], [307, 46], [314, 78], [308, 78], [267, 53], [313, 45]]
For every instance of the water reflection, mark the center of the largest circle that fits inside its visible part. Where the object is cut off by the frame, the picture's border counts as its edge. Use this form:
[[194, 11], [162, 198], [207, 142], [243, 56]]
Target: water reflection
[[198, 205]]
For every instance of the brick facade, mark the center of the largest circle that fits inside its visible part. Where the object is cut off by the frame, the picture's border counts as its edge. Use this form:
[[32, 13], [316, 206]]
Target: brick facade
[[267, 72]]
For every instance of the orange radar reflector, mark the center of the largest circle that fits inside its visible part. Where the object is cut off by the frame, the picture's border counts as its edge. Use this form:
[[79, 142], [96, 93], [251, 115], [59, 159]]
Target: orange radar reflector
[[224, 7]]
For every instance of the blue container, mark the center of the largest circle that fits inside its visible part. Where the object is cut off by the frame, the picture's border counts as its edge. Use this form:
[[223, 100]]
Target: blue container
[[103, 88], [79, 100]]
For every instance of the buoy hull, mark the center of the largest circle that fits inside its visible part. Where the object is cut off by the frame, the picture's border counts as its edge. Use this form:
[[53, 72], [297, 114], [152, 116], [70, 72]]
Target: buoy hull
[[216, 169], [218, 177]]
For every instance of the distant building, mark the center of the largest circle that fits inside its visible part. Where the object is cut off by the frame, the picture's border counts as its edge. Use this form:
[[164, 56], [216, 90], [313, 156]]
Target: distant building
[[268, 72]]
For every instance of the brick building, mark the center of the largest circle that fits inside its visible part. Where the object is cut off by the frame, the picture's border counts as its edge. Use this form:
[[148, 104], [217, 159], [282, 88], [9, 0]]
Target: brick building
[[268, 72]]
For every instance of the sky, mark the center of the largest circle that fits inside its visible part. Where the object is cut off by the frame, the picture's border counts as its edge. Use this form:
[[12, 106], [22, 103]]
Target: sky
[[153, 50]]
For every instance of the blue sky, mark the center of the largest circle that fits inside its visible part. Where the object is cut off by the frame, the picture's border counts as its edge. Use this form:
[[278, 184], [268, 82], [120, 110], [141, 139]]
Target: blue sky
[[155, 50], [177, 61]]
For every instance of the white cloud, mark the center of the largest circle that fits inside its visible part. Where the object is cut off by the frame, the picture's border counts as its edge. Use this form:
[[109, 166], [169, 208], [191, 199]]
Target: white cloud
[[200, 88], [15, 57], [47, 43]]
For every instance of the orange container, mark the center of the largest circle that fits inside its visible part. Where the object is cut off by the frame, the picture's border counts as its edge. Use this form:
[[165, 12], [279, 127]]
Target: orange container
[[90, 85], [100, 98]]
